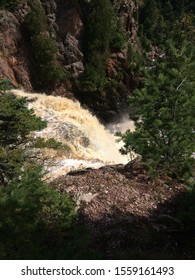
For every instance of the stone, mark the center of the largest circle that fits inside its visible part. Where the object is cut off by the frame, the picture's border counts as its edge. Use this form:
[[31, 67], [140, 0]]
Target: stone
[[87, 197], [72, 53], [7, 72], [75, 69], [66, 26], [13, 64]]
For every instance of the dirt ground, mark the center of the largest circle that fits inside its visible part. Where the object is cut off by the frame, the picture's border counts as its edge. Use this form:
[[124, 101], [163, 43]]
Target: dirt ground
[[128, 215]]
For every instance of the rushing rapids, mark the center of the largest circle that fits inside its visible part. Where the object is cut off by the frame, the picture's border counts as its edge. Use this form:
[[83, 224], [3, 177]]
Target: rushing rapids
[[88, 143]]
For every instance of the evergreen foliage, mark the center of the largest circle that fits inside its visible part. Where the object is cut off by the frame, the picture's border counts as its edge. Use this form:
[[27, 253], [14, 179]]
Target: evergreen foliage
[[10, 4], [148, 18], [135, 60], [30, 214], [97, 44], [163, 111], [36, 222], [104, 34], [43, 49], [118, 39], [184, 29], [5, 85], [157, 17], [16, 122]]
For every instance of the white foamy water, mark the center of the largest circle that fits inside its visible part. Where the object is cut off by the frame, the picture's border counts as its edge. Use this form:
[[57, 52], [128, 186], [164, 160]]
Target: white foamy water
[[67, 165], [90, 143], [122, 124]]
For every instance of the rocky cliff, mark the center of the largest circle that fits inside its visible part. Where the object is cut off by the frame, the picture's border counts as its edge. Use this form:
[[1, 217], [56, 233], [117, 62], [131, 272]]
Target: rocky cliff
[[66, 26]]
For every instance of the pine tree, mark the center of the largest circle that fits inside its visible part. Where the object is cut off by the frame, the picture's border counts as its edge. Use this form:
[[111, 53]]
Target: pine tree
[[98, 39], [16, 123], [164, 113], [46, 71], [148, 18], [36, 221]]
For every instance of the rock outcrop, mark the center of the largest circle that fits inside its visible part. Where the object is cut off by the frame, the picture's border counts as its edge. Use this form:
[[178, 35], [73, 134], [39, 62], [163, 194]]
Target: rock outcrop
[[13, 59], [128, 11], [66, 25]]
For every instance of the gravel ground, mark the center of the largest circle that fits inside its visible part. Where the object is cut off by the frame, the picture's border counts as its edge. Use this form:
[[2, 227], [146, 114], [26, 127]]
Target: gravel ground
[[120, 203]]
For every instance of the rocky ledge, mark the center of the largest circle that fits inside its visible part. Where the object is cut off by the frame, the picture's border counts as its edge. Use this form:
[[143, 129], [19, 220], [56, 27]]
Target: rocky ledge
[[121, 207]]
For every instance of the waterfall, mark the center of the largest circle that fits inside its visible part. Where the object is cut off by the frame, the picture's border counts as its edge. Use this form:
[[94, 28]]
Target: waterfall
[[88, 142]]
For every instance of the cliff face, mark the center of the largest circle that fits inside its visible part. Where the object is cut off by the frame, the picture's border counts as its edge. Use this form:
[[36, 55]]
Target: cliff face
[[66, 22], [128, 11], [66, 26], [13, 58]]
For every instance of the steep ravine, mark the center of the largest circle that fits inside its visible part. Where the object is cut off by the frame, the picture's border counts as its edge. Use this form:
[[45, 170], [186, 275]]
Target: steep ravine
[[66, 26]]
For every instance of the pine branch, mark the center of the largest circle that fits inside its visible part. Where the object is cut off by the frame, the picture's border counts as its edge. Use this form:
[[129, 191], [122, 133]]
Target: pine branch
[[180, 84]]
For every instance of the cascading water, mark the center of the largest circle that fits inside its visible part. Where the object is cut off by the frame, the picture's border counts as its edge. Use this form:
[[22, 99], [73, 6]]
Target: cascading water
[[88, 143]]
